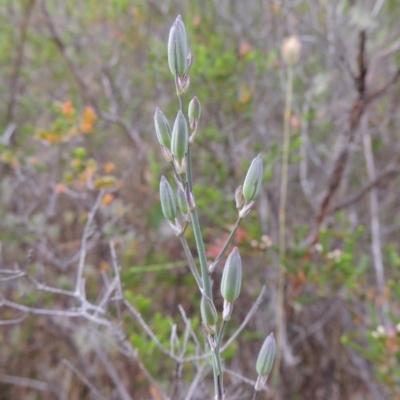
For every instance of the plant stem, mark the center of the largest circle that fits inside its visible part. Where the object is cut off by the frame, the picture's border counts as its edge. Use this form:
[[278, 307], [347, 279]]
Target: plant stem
[[192, 264], [197, 233], [214, 265], [281, 324]]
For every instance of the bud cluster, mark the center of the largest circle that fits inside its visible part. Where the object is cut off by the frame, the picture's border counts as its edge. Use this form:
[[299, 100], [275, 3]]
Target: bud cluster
[[179, 208]]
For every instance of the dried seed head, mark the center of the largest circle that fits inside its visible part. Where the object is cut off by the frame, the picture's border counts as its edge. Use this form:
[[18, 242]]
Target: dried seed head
[[180, 137], [266, 357], [290, 50], [232, 276], [167, 198], [177, 48], [163, 130], [253, 181]]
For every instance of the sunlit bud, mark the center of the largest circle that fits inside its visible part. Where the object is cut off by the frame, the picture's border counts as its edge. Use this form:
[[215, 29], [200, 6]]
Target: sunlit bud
[[167, 198], [208, 312], [163, 130], [232, 276], [180, 137], [183, 84], [227, 311], [177, 48], [239, 197], [266, 357], [246, 209], [190, 199], [194, 112], [181, 199], [253, 181], [166, 154], [260, 383], [180, 167], [189, 61], [290, 50]]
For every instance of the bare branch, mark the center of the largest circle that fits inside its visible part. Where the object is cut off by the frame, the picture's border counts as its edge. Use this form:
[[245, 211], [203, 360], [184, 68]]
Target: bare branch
[[83, 379]]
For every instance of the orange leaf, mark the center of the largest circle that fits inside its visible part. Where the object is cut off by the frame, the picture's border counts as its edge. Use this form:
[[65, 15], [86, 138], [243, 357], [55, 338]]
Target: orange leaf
[[107, 199]]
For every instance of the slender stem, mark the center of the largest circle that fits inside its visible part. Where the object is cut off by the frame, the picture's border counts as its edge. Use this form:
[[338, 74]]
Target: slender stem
[[192, 264], [220, 336], [281, 336], [255, 396], [218, 380], [197, 233], [218, 357], [214, 265]]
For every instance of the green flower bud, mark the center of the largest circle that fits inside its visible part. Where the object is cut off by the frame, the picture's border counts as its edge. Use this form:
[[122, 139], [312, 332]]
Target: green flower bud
[[194, 112], [266, 357], [177, 48], [232, 276], [181, 199], [163, 130], [253, 181], [167, 198], [208, 312], [180, 137]]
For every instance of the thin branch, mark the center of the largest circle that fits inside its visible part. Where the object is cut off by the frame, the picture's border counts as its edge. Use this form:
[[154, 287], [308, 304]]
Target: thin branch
[[375, 223], [18, 63], [25, 382], [113, 374], [390, 172], [84, 88], [84, 380], [85, 237]]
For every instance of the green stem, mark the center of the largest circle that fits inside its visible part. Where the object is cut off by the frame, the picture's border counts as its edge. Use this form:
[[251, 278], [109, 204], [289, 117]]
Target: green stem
[[282, 220], [214, 265], [197, 233], [192, 264]]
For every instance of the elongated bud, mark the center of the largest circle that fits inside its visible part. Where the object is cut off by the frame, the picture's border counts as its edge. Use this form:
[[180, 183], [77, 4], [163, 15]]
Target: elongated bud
[[232, 276], [253, 181], [290, 51], [239, 199], [180, 137], [167, 198], [163, 130], [209, 314], [194, 112], [181, 199], [177, 48], [266, 357]]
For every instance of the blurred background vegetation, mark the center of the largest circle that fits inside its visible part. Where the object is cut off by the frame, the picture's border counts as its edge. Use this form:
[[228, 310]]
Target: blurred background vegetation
[[79, 84]]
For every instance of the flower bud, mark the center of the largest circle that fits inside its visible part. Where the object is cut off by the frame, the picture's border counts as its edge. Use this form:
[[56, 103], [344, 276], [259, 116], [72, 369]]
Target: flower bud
[[194, 112], [266, 357], [163, 130], [232, 276], [180, 137], [208, 312], [290, 50], [253, 181], [177, 48], [181, 199], [167, 198]]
